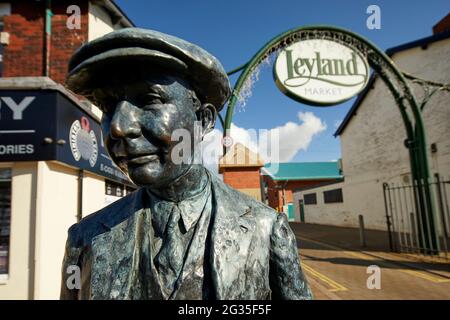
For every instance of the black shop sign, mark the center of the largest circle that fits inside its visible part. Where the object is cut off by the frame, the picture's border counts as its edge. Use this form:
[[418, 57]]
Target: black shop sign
[[40, 125]]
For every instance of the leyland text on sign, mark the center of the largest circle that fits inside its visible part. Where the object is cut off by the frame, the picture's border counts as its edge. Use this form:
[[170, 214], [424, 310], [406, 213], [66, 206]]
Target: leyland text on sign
[[320, 72]]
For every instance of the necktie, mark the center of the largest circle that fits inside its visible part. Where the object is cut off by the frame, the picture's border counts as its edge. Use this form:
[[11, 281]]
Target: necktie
[[170, 258]]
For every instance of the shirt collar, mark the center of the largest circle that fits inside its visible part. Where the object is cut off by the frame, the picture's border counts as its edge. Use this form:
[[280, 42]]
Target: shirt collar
[[190, 209]]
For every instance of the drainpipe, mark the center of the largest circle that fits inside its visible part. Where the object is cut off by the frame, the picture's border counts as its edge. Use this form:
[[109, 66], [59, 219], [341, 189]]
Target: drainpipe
[[80, 195], [47, 38], [278, 188], [283, 190]]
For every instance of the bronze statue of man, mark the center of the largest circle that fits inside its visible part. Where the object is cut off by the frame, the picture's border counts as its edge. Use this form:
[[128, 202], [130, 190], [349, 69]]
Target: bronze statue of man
[[183, 234]]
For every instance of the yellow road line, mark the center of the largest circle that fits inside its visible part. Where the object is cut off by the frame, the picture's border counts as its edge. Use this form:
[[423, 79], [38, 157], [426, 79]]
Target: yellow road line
[[352, 253], [425, 276], [360, 255], [326, 245], [333, 284], [365, 256]]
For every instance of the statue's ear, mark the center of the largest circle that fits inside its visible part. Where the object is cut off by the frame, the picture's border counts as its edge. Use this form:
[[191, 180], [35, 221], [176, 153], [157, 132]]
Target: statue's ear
[[207, 115]]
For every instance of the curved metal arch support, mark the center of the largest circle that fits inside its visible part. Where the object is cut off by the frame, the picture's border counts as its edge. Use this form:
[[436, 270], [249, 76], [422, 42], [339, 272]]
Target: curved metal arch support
[[374, 56], [397, 85], [429, 88]]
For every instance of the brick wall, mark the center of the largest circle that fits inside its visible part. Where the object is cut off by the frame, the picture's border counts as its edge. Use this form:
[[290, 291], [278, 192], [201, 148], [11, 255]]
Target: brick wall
[[23, 56], [65, 41], [26, 25], [242, 178]]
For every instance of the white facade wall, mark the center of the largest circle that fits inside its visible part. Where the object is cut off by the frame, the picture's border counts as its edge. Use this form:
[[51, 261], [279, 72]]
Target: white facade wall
[[335, 214], [56, 211], [99, 22], [372, 143], [44, 205], [17, 284], [93, 187]]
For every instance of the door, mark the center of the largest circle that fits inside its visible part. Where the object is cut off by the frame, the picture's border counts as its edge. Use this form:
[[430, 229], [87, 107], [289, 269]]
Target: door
[[302, 210]]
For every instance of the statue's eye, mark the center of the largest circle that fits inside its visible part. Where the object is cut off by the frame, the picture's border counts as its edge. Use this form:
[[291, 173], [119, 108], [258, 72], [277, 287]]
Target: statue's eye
[[151, 99]]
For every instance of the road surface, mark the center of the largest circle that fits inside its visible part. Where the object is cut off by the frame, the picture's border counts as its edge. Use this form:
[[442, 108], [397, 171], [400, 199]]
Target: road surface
[[339, 274]]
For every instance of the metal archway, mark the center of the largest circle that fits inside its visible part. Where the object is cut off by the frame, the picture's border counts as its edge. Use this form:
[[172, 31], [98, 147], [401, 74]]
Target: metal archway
[[397, 85]]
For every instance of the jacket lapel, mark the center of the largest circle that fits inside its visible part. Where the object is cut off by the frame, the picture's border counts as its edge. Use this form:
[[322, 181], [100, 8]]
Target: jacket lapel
[[116, 252], [232, 232]]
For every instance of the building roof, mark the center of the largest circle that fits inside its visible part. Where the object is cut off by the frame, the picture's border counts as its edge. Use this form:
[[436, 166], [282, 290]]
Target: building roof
[[238, 157], [390, 52], [45, 83], [117, 12], [302, 171], [113, 8]]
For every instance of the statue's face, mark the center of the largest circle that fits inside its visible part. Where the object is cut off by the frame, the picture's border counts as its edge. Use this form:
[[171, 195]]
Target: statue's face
[[139, 117]]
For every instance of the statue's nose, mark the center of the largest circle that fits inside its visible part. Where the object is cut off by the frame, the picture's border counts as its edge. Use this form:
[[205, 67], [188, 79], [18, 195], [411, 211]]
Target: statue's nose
[[124, 123]]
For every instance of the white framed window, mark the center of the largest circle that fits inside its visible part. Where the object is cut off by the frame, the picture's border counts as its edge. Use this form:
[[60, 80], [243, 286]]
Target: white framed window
[[5, 221]]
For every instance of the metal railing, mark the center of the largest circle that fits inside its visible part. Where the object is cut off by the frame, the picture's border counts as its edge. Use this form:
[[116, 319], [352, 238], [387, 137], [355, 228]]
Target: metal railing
[[409, 223]]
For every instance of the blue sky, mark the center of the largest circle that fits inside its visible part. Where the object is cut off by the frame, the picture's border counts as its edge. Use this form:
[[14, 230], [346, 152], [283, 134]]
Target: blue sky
[[234, 30]]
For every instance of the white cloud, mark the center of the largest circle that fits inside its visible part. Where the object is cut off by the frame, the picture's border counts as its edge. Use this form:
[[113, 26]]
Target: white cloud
[[279, 144], [294, 137], [212, 150]]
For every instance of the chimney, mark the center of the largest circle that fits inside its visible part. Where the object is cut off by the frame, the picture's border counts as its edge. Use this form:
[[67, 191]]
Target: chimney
[[443, 25]]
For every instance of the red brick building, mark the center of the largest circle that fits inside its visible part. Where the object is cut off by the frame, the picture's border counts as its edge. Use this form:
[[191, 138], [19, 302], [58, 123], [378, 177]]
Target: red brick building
[[241, 170], [39, 37]]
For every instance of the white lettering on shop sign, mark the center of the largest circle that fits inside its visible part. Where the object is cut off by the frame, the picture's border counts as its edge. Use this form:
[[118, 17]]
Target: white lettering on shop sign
[[16, 149], [17, 108]]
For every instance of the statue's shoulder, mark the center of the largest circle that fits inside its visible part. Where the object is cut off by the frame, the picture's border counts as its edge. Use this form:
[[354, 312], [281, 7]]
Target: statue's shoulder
[[240, 201], [82, 233]]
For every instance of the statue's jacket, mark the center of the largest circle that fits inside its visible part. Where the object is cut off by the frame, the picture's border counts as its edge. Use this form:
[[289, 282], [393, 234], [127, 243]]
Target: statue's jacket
[[250, 253]]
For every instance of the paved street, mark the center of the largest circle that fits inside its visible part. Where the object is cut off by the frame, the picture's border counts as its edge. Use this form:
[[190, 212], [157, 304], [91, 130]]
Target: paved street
[[337, 273]]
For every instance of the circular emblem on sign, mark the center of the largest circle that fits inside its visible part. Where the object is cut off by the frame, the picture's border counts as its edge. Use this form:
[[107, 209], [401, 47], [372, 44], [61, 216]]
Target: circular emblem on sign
[[320, 72], [83, 142], [227, 141]]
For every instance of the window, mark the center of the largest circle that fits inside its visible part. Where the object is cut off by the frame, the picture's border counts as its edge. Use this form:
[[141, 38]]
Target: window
[[5, 219], [129, 189], [310, 198], [114, 189], [333, 196]]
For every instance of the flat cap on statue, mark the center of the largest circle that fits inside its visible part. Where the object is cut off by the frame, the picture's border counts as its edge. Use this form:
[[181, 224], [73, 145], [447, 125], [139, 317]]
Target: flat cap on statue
[[148, 50]]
